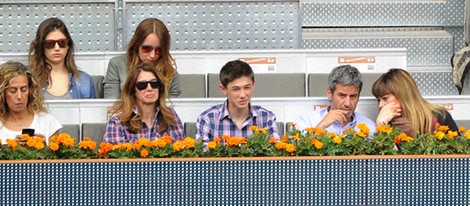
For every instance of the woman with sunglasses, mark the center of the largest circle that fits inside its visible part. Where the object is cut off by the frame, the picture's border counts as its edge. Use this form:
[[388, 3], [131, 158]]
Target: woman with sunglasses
[[51, 58], [23, 105], [151, 45], [141, 110]]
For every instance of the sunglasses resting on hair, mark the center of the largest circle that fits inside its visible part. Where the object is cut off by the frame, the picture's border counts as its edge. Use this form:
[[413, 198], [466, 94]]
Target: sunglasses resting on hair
[[147, 49], [143, 84], [49, 43]]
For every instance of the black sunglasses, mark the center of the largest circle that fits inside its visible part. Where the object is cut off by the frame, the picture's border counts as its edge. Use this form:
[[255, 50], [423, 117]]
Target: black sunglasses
[[49, 43], [143, 84], [147, 49]]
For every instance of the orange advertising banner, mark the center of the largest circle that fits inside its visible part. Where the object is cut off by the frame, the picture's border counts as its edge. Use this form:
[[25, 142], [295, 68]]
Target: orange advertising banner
[[356, 59]]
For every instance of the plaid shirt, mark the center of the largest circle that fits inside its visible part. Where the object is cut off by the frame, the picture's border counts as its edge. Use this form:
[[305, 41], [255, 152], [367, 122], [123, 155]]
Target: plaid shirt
[[117, 132], [216, 122]]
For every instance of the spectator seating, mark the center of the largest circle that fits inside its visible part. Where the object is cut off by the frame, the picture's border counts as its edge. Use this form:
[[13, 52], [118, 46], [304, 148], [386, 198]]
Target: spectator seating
[[73, 130], [193, 85], [95, 131], [267, 85], [98, 83]]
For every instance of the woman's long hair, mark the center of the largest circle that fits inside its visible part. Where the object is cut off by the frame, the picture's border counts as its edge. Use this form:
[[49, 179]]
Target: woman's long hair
[[419, 112], [123, 107], [165, 63], [37, 57], [10, 70]]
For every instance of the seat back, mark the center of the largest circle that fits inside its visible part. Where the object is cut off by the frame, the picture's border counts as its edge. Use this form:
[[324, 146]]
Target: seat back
[[73, 130], [463, 123], [193, 85], [267, 85], [95, 131], [190, 129], [98, 83]]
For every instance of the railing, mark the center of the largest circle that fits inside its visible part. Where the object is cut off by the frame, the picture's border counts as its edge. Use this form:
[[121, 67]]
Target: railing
[[349, 180]]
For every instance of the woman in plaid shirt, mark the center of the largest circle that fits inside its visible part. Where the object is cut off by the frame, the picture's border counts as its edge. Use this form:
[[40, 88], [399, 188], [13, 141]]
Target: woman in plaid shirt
[[141, 110]]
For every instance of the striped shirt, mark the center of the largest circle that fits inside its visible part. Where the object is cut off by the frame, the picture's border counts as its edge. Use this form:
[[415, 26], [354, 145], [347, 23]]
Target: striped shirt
[[216, 122], [117, 132]]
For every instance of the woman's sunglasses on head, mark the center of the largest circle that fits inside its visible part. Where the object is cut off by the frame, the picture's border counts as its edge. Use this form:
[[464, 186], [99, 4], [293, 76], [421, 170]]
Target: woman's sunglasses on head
[[49, 43], [148, 49], [143, 84]]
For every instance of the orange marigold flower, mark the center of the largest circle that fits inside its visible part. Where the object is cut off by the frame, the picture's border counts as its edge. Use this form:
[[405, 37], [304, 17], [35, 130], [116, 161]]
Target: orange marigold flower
[[272, 140], [264, 130], [281, 145], [320, 132], [25, 137], [402, 137], [292, 124], [225, 138], [12, 144], [137, 145], [69, 142], [53, 146], [178, 146], [384, 129], [462, 129], [253, 128], [467, 134], [284, 138], [168, 139], [211, 145], [337, 140], [439, 135], [296, 136], [189, 142], [87, 144], [160, 142], [39, 145], [144, 142], [87, 139], [316, 143], [310, 130], [128, 146], [144, 153], [217, 140], [290, 148], [360, 134], [363, 128], [332, 135], [452, 134], [105, 148], [443, 128]]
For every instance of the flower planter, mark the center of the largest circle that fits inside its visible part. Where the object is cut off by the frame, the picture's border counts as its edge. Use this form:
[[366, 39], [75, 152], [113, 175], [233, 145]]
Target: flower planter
[[341, 180]]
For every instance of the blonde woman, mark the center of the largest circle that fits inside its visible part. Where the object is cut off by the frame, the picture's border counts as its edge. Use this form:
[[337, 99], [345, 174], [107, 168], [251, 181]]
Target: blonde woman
[[23, 105], [402, 105]]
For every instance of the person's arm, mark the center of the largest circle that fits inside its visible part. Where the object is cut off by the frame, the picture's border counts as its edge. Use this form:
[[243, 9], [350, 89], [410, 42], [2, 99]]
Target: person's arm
[[111, 82], [175, 90], [114, 132]]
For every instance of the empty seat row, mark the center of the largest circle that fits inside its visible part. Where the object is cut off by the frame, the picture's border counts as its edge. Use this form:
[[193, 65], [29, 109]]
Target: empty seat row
[[267, 85]]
